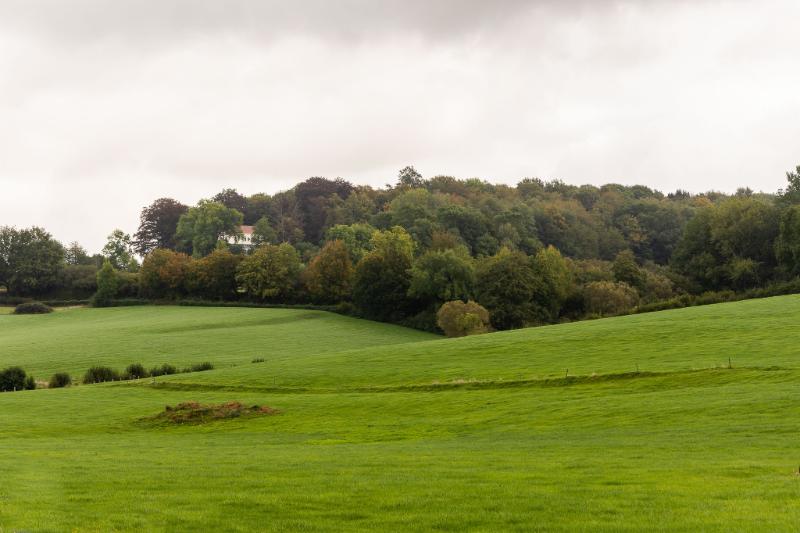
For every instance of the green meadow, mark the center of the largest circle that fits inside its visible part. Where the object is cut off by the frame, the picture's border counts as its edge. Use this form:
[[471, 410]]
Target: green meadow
[[683, 420]]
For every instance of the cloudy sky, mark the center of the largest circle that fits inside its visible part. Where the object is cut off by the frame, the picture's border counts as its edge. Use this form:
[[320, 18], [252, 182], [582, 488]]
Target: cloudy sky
[[107, 105]]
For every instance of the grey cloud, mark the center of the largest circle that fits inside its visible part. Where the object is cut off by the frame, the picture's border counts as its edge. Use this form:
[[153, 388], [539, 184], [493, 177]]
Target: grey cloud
[[106, 105]]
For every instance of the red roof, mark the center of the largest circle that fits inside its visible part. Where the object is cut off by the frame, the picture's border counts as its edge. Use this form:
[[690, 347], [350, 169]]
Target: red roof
[[247, 230]]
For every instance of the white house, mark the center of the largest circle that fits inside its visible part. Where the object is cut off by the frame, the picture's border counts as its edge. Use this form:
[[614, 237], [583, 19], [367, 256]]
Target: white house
[[245, 240]]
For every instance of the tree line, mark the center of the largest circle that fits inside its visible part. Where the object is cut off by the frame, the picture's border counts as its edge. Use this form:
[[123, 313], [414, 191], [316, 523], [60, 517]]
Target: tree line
[[538, 252]]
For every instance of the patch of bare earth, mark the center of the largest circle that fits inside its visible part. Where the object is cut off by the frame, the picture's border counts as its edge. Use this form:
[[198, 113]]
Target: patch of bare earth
[[197, 413]]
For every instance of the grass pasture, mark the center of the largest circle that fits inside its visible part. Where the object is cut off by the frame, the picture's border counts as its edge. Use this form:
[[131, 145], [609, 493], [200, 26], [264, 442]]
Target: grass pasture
[[382, 428]]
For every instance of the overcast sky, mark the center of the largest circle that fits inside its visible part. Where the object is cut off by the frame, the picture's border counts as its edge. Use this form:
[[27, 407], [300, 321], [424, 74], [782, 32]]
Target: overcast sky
[[108, 105]]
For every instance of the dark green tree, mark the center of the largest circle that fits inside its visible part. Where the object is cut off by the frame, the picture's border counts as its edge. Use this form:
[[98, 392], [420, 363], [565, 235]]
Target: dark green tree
[[202, 227], [441, 276], [506, 285], [382, 277], [271, 273], [213, 277], [158, 224], [31, 261], [107, 284], [329, 275], [627, 270]]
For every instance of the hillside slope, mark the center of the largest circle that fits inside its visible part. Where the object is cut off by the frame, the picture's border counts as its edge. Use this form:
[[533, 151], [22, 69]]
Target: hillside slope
[[752, 333], [74, 339], [364, 440]]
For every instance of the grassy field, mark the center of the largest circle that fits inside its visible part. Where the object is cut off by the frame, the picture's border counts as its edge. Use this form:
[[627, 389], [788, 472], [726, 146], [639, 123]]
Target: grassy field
[[382, 428], [72, 340]]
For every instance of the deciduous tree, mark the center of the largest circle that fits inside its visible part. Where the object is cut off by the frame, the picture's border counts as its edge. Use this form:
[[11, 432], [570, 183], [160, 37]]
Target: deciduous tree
[[158, 224], [382, 277], [203, 226], [270, 273], [329, 275]]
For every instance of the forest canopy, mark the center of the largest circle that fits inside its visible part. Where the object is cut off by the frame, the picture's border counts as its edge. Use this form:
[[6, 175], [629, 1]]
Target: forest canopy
[[538, 252]]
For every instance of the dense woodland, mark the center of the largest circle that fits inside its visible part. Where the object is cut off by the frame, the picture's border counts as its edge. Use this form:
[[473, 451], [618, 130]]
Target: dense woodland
[[535, 253]]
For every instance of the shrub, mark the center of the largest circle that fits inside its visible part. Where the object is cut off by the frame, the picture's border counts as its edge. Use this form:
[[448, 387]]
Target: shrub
[[135, 371], [14, 378], [199, 367], [32, 308], [608, 298], [99, 374], [458, 319], [163, 370], [258, 360], [59, 380]]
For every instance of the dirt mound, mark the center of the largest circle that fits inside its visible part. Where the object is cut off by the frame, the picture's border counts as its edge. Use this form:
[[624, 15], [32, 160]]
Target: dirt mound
[[197, 413]]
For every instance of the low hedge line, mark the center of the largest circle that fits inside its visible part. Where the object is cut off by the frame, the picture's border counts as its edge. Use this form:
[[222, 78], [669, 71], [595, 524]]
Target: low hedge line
[[708, 298], [17, 300], [341, 308]]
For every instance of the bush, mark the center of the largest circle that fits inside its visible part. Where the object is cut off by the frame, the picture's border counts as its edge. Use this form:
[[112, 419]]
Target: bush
[[32, 308], [14, 378], [458, 319], [59, 380], [135, 371], [100, 374], [605, 298], [163, 370], [199, 367]]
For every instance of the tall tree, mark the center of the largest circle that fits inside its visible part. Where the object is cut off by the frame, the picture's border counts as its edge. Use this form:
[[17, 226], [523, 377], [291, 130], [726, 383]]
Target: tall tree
[[329, 275], [263, 232], [203, 226], [409, 177], [441, 276], [107, 284], [30, 261], [164, 274], [791, 194], [787, 246], [506, 285], [313, 199], [383, 276], [119, 251], [258, 206], [271, 273], [356, 238], [555, 282], [214, 276], [158, 224], [75, 254], [231, 199], [627, 270]]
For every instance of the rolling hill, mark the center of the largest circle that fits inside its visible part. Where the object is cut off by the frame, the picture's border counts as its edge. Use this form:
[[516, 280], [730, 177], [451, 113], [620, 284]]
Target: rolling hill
[[382, 428]]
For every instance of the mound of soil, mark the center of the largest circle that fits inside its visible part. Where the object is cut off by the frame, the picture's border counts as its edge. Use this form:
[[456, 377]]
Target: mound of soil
[[197, 413]]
